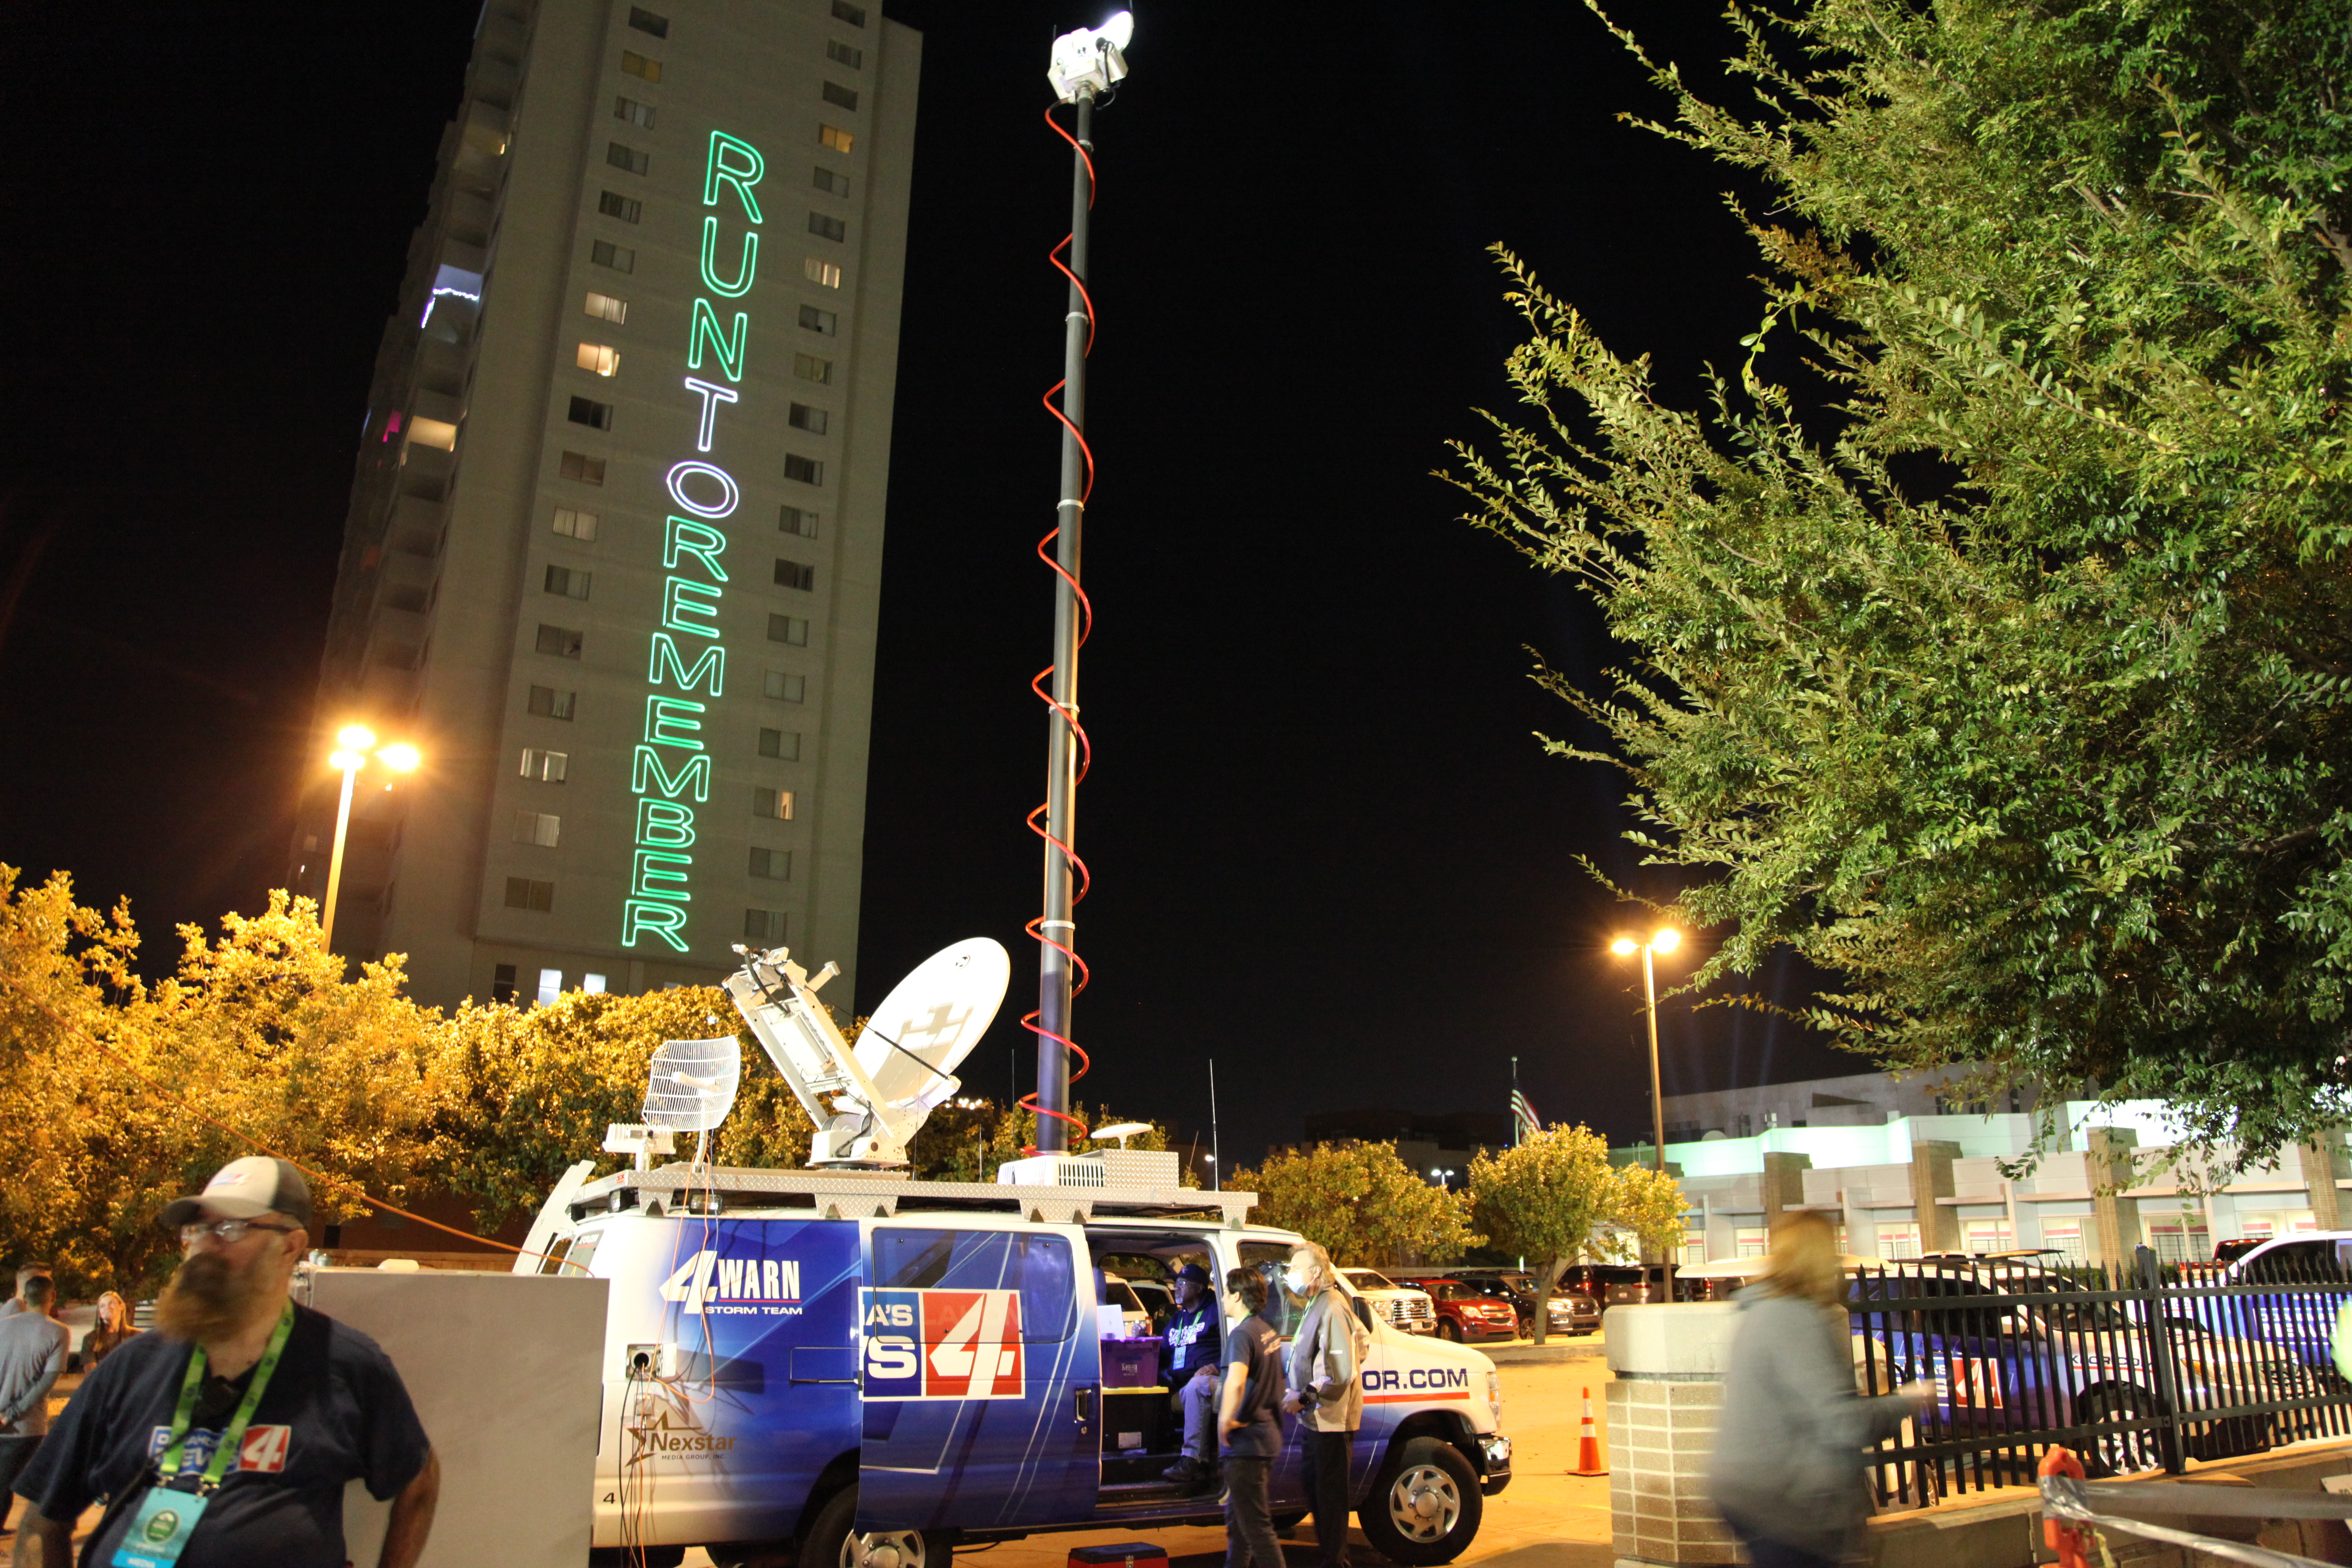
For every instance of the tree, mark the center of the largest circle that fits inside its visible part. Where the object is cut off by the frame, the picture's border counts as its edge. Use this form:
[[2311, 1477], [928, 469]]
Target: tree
[[1543, 1199], [1361, 1203], [967, 1138], [1991, 644], [1648, 1205]]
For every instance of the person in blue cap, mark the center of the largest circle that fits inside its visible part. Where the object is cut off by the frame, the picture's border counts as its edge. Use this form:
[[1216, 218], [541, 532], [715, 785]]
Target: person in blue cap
[[1188, 1366]]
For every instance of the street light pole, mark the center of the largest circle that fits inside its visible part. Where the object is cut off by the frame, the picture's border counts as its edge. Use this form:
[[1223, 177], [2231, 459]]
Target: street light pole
[[1657, 1099], [350, 762]]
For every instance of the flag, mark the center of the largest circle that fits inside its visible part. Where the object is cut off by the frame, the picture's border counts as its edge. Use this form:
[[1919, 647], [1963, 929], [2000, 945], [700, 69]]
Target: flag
[[1524, 1119]]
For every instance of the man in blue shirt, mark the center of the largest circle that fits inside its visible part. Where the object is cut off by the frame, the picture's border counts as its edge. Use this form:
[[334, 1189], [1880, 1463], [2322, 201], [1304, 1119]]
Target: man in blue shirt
[[1189, 1368]]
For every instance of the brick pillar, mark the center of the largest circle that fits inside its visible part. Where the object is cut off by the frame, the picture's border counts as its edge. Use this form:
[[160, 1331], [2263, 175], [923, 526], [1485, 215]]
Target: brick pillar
[[2107, 1162], [1931, 1178], [2323, 1161], [1784, 1184]]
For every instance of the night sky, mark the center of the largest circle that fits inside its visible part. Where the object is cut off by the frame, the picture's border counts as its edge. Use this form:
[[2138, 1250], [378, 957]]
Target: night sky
[[1327, 849]]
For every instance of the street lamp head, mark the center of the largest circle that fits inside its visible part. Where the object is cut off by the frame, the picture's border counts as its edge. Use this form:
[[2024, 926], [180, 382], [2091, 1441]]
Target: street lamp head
[[1091, 60], [355, 737], [1625, 946], [1668, 939], [402, 758], [348, 762]]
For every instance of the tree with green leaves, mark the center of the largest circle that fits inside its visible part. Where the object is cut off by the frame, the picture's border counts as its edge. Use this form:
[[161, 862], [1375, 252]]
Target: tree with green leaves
[[1543, 1199], [1360, 1203], [1648, 1209], [1989, 632]]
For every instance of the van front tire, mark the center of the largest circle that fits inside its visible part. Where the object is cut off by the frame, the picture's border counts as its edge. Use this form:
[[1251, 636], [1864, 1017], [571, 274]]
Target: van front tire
[[832, 1544], [1424, 1511]]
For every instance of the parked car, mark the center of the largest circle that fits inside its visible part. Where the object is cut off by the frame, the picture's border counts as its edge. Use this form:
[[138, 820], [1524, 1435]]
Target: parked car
[[1404, 1306], [1610, 1284], [2300, 1320], [1465, 1313], [1572, 1312]]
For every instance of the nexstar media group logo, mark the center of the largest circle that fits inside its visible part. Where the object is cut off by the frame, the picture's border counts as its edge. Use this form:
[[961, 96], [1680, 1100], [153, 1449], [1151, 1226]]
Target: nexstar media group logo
[[670, 770], [941, 1344]]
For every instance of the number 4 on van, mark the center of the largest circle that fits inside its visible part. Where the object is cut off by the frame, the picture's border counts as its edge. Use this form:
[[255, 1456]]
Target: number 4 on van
[[941, 1344]]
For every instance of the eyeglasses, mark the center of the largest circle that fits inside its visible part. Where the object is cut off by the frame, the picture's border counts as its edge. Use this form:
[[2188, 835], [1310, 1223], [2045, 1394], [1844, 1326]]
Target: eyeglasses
[[229, 1232]]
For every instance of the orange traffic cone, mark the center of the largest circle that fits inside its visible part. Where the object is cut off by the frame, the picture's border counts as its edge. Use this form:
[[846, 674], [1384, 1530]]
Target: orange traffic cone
[[1587, 1447]]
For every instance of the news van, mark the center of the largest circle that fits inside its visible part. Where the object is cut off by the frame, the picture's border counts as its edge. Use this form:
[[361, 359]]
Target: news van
[[843, 1367]]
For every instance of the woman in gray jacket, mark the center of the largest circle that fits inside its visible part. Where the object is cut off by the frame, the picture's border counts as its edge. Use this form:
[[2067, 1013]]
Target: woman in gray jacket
[[1787, 1474]]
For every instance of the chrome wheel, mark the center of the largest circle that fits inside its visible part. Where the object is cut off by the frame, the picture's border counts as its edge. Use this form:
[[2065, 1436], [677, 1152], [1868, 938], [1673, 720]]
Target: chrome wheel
[[1425, 1504], [2123, 1451], [883, 1549]]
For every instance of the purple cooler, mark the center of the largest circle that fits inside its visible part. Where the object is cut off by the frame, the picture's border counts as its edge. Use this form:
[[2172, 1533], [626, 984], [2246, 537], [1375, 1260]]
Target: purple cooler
[[1131, 1363]]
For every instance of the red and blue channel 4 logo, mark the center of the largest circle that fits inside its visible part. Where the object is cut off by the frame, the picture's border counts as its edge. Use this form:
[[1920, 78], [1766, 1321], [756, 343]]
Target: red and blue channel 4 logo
[[941, 1344]]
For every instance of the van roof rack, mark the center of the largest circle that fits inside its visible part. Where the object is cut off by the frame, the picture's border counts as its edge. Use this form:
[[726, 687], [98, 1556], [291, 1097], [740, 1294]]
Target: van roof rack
[[682, 1186]]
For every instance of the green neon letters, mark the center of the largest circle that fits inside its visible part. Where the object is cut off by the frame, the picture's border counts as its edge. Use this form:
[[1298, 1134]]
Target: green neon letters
[[661, 872], [744, 269], [736, 163]]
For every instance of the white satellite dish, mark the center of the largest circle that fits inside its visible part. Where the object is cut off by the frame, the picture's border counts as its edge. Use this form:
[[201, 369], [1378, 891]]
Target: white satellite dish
[[691, 1086], [930, 1021]]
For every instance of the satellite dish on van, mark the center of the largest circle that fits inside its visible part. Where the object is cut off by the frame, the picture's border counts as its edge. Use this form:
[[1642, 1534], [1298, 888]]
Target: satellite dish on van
[[930, 1021], [691, 1086]]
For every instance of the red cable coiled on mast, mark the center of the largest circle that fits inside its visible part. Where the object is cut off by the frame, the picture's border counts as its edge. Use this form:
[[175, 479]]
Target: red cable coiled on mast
[[1037, 928]]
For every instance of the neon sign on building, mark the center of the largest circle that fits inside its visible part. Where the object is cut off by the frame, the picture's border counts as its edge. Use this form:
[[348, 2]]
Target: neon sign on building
[[685, 665]]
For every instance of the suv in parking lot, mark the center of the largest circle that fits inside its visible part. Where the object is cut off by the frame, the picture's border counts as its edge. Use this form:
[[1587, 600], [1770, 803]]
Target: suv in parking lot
[[1408, 1307], [1573, 1311], [1465, 1313]]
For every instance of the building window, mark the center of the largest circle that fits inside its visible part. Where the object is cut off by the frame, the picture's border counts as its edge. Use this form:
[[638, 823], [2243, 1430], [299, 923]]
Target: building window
[[622, 156], [641, 68], [765, 926], [848, 54], [606, 308], [773, 802], [804, 471], [808, 367], [424, 432], [612, 204], [826, 227], [592, 983], [781, 744], [823, 273], [635, 113], [775, 865], [602, 359], [804, 416], [793, 629], [563, 642], [816, 321], [795, 574], [588, 411], [831, 184], [797, 521], [550, 987], [781, 686], [502, 983], [833, 138], [843, 11], [574, 524], [541, 828], [836, 93], [619, 257], [545, 766], [1899, 1241], [644, 21], [523, 893], [565, 583], [579, 465], [546, 702]]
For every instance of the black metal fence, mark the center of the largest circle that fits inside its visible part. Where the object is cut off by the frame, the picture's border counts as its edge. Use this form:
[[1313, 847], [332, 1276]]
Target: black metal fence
[[2138, 1369]]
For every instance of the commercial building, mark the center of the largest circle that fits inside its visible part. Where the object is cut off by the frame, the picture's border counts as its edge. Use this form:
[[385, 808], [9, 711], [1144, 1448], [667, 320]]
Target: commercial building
[[1913, 1184], [614, 552]]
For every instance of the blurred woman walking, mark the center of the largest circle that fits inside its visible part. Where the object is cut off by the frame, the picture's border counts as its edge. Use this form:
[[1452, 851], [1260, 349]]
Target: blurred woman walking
[[1787, 1474]]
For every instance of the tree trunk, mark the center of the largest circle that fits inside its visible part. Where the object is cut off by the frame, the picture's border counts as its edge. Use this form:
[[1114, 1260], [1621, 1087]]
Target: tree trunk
[[1547, 1279]]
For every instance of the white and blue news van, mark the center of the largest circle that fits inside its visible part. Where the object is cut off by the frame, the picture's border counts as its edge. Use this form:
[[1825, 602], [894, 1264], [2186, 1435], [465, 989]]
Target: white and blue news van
[[841, 1367]]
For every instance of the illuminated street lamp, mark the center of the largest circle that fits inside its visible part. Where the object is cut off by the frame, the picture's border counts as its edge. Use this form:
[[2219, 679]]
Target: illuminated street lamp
[[353, 741], [1666, 939]]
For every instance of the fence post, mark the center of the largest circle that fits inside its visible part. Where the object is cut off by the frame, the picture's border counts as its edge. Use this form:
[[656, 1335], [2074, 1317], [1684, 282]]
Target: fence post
[[2159, 1343]]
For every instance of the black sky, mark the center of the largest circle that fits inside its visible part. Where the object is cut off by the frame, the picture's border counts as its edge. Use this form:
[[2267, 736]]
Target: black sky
[[1327, 850]]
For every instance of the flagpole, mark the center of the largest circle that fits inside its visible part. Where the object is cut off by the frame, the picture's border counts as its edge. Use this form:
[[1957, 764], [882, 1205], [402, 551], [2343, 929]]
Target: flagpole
[[1516, 1130]]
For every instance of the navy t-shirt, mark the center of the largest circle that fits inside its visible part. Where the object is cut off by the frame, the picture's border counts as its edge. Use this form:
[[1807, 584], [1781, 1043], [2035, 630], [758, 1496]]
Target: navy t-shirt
[[1254, 1346], [335, 1411], [1192, 1342]]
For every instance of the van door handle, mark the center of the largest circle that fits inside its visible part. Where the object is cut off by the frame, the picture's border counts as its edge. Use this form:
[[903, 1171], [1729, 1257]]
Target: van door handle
[[1084, 1400]]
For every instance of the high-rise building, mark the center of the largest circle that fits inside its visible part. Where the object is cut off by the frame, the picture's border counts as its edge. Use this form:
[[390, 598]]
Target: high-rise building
[[614, 554]]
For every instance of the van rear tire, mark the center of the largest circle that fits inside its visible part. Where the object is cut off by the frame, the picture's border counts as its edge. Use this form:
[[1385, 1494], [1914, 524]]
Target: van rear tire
[[1423, 1510], [832, 1544]]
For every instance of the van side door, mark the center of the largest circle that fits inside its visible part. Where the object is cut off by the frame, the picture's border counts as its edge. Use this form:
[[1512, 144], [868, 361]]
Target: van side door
[[980, 1373]]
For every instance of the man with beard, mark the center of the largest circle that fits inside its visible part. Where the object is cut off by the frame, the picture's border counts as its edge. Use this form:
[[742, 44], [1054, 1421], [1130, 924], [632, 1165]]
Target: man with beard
[[225, 1439]]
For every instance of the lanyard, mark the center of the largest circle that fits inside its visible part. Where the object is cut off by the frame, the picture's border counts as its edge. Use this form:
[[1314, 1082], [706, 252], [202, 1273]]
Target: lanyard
[[232, 1441]]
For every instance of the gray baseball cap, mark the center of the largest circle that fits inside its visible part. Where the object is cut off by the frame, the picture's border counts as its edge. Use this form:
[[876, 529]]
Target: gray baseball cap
[[245, 1189]]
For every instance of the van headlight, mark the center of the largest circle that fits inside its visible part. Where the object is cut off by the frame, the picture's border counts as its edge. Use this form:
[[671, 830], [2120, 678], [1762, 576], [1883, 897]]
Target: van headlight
[[1495, 1395]]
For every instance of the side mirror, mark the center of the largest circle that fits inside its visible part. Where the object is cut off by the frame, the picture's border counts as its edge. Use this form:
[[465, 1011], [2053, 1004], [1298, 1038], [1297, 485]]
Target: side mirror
[[1364, 1312]]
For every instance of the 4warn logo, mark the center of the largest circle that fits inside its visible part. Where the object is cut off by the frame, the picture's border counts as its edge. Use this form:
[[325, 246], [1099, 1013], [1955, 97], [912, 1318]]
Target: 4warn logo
[[264, 1452], [941, 1344], [712, 1282]]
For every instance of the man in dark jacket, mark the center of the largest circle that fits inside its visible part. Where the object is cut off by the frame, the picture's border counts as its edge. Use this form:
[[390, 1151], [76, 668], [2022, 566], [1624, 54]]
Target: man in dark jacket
[[1189, 1369]]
